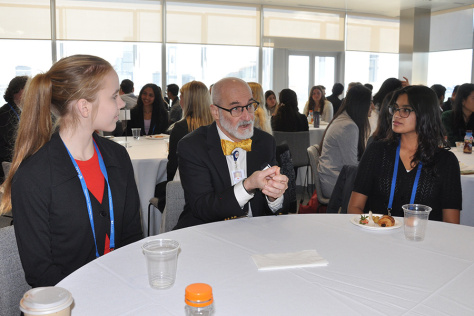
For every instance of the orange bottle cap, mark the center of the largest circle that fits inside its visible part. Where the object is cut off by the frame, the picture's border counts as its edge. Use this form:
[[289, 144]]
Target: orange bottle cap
[[199, 295]]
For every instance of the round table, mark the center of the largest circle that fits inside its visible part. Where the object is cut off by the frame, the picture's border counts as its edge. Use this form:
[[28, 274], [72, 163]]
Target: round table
[[467, 185], [149, 159], [369, 272]]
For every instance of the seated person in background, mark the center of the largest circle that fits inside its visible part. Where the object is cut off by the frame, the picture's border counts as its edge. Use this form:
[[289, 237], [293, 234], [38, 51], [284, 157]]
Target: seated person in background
[[150, 113], [270, 102], [344, 140], [9, 118], [221, 180], [317, 103], [440, 92], [73, 193], [384, 123], [262, 120], [410, 162], [334, 98], [448, 105], [126, 93], [460, 119], [176, 112], [287, 118], [196, 102]]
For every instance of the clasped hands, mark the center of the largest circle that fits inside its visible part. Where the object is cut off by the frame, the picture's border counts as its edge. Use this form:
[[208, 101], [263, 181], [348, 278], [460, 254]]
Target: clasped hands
[[270, 181]]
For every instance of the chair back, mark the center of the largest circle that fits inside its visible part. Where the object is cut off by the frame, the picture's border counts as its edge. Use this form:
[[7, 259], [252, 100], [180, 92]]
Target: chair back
[[12, 277], [342, 190], [174, 206], [6, 167], [298, 142], [313, 154]]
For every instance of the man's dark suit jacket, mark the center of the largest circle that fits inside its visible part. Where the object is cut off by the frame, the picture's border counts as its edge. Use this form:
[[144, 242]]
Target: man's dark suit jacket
[[208, 189]]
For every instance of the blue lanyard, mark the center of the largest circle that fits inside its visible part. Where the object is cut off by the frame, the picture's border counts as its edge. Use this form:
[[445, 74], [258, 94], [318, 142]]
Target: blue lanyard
[[11, 107], [235, 155], [394, 180], [88, 199]]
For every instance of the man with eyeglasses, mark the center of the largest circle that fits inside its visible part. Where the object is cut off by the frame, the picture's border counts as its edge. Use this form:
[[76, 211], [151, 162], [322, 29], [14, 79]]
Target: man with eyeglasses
[[223, 166]]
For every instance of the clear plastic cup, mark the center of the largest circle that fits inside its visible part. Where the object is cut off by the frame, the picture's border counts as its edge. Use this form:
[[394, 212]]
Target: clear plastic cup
[[415, 220], [47, 301], [136, 133], [460, 146], [161, 258]]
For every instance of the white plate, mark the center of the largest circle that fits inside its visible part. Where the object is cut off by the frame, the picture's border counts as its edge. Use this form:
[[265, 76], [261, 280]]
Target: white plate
[[355, 220], [157, 137]]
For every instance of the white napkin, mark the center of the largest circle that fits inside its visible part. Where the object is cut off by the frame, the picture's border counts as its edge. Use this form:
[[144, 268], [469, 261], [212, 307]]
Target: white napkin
[[300, 259]]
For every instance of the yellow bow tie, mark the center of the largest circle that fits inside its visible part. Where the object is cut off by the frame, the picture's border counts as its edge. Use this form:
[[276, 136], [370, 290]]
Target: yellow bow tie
[[228, 146]]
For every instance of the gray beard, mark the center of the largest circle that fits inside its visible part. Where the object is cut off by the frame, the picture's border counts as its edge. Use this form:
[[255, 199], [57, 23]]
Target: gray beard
[[234, 131]]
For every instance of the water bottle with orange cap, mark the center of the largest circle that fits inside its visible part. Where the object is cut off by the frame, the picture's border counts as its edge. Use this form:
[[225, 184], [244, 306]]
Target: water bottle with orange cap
[[199, 300]]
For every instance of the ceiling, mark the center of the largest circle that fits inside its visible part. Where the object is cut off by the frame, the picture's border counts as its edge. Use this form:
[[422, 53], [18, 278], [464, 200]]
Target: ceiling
[[379, 7]]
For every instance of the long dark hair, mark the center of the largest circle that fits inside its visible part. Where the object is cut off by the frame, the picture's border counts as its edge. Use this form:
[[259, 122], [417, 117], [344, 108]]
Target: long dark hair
[[267, 94], [464, 91], [312, 103], [286, 117], [356, 105], [158, 103], [389, 85], [384, 122], [428, 122]]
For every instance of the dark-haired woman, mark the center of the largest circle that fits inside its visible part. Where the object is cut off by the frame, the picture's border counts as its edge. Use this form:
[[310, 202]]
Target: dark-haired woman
[[150, 114], [287, 117], [317, 103], [344, 141], [270, 102], [460, 119], [409, 166], [9, 118]]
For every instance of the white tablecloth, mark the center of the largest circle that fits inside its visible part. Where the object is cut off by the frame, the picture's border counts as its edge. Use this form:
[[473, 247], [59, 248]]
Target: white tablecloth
[[369, 273], [149, 159], [467, 184]]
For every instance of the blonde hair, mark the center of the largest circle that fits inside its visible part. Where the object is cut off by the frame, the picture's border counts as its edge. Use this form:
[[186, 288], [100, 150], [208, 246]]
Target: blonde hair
[[262, 121], [196, 102], [70, 79]]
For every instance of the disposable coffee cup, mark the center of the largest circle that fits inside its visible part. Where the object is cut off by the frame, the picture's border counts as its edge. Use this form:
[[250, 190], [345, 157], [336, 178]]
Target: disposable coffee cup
[[47, 301], [161, 259], [136, 133], [460, 146], [415, 221]]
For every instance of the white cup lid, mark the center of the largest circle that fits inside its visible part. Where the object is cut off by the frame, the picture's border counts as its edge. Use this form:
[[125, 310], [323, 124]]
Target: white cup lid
[[45, 300]]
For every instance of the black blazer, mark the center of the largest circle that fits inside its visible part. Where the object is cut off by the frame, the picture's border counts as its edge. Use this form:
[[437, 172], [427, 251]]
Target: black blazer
[[208, 189], [158, 124], [52, 225]]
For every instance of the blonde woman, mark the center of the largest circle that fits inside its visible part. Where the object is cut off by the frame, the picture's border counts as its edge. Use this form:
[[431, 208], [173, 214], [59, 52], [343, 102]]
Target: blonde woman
[[262, 121], [195, 101], [73, 193]]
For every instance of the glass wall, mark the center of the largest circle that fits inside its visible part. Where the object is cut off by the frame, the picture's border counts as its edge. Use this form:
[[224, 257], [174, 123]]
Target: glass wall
[[373, 68], [456, 63], [209, 63]]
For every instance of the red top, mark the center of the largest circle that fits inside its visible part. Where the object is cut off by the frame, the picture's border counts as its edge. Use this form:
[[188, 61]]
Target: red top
[[95, 182]]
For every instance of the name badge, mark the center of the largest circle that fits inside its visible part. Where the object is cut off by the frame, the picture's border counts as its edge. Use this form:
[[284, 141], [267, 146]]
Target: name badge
[[237, 176]]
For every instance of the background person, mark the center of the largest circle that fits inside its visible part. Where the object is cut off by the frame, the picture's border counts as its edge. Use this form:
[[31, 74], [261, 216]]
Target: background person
[[270, 102], [335, 97], [440, 91], [126, 93], [262, 119], [448, 105], [460, 119], [9, 118], [344, 140], [413, 144], [287, 118], [210, 166], [318, 103], [150, 113], [73, 193], [175, 113]]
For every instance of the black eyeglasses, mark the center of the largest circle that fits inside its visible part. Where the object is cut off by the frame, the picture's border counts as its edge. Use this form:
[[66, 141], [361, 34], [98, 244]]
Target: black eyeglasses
[[238, 110], [404, 112]]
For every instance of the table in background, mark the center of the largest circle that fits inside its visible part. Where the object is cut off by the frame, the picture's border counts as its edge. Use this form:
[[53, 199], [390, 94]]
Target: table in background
[[149, 159], [369, 272], [467, 184]]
